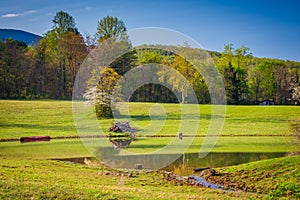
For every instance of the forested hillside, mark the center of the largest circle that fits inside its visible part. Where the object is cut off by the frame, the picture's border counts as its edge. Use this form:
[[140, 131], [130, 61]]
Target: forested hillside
[[48, 70]]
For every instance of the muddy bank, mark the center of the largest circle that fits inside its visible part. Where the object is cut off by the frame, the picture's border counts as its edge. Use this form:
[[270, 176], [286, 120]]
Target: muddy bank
[[198, 180]]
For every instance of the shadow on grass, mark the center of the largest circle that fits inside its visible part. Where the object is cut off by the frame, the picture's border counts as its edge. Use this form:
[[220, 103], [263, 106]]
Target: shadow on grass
[[170, 117], [38, 126]]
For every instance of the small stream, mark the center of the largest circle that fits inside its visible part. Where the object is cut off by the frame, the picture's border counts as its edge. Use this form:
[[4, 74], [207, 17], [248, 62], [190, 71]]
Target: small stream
[[204, 183], [201, 181]]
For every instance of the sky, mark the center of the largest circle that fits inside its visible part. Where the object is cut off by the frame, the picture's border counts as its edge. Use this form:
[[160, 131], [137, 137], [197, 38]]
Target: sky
[[270, 28]]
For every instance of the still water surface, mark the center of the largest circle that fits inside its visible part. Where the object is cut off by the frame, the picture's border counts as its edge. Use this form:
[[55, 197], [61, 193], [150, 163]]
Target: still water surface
[[186, 163]]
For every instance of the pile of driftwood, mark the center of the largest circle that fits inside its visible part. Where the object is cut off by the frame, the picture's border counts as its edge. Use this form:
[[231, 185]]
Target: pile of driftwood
[[121, 143], [121, 127]]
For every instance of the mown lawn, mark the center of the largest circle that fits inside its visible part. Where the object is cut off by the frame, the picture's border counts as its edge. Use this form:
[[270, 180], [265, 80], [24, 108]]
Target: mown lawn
[[55, 118], [246, 128], [23, 118]]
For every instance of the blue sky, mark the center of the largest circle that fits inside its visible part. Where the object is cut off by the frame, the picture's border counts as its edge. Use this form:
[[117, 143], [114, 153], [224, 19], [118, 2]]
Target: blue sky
[[268, 28]]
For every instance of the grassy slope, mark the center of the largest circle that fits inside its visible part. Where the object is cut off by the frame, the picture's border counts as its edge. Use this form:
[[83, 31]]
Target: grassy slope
[[54, 179], [262, 176], [45, 179]]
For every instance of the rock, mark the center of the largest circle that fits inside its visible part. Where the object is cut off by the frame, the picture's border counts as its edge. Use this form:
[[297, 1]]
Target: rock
[[208, 172], [180, 135], [100, 173], [138, 166]]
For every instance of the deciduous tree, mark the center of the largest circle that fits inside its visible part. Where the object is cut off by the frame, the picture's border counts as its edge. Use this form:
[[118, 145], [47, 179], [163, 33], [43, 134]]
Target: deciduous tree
[[101, 94], [111, 27]]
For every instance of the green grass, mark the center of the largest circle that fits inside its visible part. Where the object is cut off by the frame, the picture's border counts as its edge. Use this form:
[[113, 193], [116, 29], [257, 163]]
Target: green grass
[[23, 118], [46, 179], [22, 177], [267, 176], [54, 118]]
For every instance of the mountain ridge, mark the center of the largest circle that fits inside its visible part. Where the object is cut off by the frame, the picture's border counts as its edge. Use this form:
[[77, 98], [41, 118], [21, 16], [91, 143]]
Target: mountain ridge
[[20, 35]]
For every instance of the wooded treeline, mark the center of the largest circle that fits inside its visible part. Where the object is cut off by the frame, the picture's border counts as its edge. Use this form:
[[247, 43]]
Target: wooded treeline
[[48, 70]]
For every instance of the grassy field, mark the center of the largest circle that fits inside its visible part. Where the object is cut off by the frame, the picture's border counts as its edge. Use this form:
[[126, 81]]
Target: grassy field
[[246, 129], [54, 118], [21, 118]]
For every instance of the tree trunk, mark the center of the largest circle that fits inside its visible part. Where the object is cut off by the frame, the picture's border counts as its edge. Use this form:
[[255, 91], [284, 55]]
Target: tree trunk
[[182, 98], [60, 86]]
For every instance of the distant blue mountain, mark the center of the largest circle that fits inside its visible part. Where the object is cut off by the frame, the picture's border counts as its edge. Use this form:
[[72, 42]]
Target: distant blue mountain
[[28, 38]]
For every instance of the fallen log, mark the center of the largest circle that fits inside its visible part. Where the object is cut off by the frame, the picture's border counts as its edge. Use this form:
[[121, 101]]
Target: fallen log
[[35, 139], [201, 169]]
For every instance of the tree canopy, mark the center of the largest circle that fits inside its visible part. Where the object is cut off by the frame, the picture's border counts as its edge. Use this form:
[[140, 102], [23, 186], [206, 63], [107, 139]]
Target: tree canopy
[[111, 27], [48, 70]]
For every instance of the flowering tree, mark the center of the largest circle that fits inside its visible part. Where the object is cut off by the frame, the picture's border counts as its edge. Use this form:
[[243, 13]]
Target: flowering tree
[[101, 88]]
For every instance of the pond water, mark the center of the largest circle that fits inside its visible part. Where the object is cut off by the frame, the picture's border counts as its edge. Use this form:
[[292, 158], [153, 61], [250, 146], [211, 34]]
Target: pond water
[[186, 163]]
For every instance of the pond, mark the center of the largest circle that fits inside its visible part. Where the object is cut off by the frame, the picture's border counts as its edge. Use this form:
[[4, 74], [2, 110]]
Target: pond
[[186, 163]]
